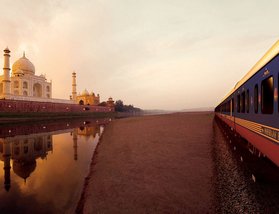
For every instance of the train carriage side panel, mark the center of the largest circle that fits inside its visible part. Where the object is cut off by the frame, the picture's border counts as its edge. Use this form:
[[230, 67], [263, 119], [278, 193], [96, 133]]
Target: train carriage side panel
[[254, 113]]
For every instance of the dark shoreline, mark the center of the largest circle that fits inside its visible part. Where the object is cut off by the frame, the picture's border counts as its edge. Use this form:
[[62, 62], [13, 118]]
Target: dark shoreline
[[12, 118]]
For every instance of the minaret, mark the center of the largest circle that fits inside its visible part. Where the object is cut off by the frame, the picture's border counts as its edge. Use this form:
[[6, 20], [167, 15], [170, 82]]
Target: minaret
[[6, 69], [74, 86]]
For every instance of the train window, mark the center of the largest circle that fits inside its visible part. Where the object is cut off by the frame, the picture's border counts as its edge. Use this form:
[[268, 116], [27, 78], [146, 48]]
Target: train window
[[247, 101], [238, 103], [232, 104], [256, 100], [243, 102], [267, 97], [226, 106]]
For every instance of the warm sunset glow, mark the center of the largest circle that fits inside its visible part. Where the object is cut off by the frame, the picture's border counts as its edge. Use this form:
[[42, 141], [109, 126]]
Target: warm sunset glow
[[155, 54], [33, 166]]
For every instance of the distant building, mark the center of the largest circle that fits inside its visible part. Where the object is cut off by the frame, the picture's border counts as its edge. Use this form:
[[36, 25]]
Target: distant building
[[84, 98], [110, 103], [88, 99], [23, 82]]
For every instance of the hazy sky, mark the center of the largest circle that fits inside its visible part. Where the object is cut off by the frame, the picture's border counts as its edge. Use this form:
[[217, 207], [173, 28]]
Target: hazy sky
[[155, 54]]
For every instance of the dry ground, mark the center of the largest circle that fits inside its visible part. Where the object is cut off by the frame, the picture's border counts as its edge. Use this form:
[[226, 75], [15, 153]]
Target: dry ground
[[153, 164]]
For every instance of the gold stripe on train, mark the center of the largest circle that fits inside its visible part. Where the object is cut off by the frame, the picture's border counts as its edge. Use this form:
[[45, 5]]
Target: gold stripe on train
[[263, 130]]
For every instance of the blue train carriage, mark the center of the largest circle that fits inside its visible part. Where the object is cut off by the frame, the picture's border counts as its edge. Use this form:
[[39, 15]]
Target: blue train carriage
[[251, 108]]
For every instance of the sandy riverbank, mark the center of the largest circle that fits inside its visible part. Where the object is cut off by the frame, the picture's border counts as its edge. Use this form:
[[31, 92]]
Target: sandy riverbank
[[153, 164]]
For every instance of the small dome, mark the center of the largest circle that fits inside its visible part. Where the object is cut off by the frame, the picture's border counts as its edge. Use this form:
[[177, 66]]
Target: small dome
[[6, 50], [85, 92], [24, 65]]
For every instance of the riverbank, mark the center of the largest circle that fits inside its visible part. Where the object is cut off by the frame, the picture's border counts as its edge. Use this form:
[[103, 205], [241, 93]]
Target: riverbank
[[12, 118], [152, 164]]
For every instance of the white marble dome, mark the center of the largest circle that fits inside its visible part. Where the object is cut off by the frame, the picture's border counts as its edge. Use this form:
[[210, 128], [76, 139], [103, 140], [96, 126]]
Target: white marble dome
[[85, 92], [23, 65]]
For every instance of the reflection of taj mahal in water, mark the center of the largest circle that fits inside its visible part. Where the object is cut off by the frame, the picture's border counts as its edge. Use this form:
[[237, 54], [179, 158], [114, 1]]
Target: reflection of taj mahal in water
[[21, 152]]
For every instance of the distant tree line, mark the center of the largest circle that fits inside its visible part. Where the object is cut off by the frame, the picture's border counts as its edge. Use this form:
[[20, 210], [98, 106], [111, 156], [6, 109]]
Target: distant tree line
[[120, 107]]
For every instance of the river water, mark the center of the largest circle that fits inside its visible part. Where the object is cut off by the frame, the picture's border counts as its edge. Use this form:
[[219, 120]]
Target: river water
[[43, 165]]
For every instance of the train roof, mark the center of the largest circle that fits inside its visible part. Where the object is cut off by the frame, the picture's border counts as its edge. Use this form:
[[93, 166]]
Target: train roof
[[269, 55]]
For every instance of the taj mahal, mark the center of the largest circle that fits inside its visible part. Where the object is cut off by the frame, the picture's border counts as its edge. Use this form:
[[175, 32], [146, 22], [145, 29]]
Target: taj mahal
[[23, 84]]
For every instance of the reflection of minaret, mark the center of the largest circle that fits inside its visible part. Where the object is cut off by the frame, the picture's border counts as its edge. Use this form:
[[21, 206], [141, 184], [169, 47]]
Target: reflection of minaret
[[7, 165], [74, 86], [75, 144]]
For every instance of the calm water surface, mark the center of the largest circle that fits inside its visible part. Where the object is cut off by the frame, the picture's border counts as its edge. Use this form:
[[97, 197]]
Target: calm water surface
[[43, 165]]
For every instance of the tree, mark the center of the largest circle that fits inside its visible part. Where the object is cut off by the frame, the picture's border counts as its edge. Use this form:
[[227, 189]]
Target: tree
[[119, 106]]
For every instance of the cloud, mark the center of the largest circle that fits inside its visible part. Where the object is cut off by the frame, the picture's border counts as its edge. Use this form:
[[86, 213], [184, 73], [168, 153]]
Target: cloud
[[141, 52]]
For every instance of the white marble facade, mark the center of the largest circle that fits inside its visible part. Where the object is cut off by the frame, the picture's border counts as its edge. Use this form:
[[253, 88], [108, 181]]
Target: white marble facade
[[22, 83]]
